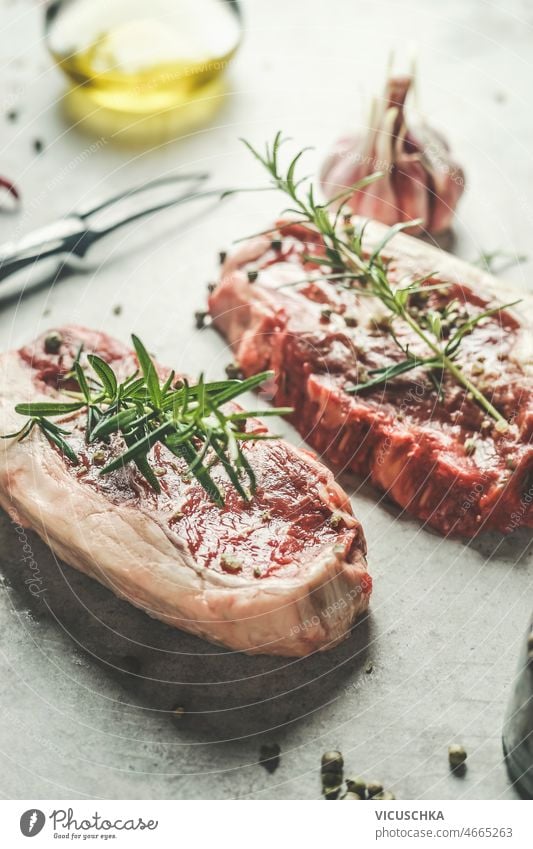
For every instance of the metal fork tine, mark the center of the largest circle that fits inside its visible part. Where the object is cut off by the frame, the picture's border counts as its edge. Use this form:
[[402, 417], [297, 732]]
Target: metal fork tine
[[152, 184]]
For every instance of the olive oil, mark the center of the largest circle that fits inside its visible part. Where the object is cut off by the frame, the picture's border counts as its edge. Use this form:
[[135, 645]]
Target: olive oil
[[143, 56]]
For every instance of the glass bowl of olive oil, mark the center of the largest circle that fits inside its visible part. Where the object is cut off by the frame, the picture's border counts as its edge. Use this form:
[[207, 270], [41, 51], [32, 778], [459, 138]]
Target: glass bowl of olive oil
[[142, 57]]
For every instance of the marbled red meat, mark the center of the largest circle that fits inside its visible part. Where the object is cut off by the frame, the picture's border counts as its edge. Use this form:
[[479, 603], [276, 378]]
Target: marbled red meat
[[282, 574], [441, 459]]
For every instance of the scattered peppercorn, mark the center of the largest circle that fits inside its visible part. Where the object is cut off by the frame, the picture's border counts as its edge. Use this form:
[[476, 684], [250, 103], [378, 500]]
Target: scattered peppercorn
[[38, 145], [117, 309], [230, 564], [234, 372], [99, 457], [332, 792], [335, 520], [456, 756], [369, 667], [470, 446], [356, 785], [211, 287], [199, 318], [326, 314], [53, 343], [12, 115], [178, 712], [276, 244], [222, 257], [269, 756], [332, 762], [158, 471], [373, 788], [350, 320], [252, 275]]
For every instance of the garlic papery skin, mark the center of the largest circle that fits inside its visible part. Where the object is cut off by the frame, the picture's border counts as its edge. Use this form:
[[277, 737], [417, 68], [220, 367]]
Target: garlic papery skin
[[420, 178]]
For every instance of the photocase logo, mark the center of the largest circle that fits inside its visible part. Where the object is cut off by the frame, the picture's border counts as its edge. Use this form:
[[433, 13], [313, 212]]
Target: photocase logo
[[32, 822]]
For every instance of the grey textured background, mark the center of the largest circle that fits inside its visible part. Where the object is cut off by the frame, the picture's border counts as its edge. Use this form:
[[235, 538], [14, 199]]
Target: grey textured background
[[87, 681]]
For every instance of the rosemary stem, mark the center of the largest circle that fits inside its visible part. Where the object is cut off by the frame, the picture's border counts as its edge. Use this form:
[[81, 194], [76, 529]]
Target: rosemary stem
[[452, 368]]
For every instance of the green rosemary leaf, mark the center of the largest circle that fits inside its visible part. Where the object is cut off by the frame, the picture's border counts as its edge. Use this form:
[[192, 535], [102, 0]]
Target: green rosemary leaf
[[53, 434], [117, 422], [105, 373], [21, 434], [230, 471], [79, 374], [391, 232], [93, 418], [238, 387], [383, 375], [187, 452], [149, 371], [141, 446], [243, 461], [168, 383], [468, 326], [48, 408], [147, 472], [141, 461]]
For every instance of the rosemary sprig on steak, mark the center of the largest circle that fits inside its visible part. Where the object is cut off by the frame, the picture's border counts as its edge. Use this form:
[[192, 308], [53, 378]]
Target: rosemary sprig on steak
[[188, 420], [346, 265]]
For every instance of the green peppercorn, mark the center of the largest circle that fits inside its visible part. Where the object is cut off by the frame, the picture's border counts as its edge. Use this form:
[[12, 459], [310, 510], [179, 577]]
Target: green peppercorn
[[331, 791], [470, 446], [356, 785], [373, 788], [269, 756], [350, 320], [233, 372], [276, 244], [332, 762], [335, 520], [222, 257], [53, 343], [456, 755], [199, 319], [252, 275], [98, 457], [230, 564]]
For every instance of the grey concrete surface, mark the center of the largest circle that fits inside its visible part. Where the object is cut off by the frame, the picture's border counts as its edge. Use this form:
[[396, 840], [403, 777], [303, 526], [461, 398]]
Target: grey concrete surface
[[88, 682]]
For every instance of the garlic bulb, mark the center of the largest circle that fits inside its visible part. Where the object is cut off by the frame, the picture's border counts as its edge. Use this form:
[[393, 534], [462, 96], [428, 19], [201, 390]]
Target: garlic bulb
[[420, 180]]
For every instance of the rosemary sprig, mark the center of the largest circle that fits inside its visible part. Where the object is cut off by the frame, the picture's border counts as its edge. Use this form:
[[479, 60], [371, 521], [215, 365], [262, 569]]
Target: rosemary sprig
[[188, 420], [351, 268]]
